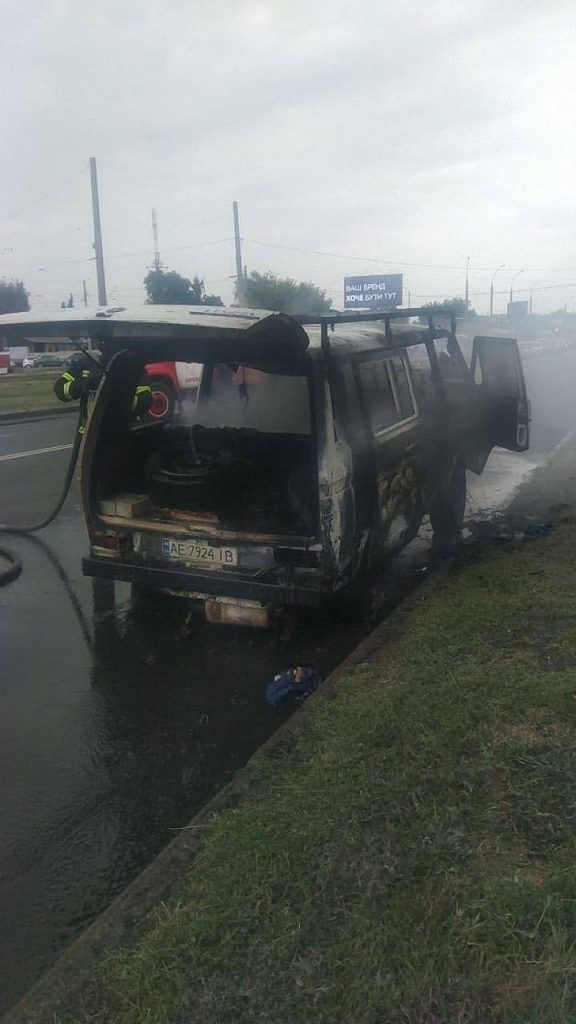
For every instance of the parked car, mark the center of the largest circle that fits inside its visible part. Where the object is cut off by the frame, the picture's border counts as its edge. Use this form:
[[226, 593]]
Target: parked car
[[49, 360], [309, 458], [44, 361], [76, 359]]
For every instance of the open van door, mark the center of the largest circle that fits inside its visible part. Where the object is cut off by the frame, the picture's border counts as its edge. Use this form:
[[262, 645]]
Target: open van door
[[504, 407]]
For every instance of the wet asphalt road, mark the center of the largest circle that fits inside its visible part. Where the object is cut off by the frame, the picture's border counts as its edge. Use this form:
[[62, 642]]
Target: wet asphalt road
[[119, 720]]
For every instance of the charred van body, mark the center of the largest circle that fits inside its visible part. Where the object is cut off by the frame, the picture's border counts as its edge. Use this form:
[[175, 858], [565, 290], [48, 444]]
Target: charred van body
[[307, 457]]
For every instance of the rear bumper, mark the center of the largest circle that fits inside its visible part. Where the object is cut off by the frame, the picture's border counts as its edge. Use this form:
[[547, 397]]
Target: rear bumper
[[306, 591]]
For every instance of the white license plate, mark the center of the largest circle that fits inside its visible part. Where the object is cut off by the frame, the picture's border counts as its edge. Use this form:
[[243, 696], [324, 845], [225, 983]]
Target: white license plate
[[197, 551]]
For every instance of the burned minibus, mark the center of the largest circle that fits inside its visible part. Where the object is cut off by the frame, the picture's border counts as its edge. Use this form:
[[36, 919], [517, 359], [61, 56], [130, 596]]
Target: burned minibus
[[306, 458]]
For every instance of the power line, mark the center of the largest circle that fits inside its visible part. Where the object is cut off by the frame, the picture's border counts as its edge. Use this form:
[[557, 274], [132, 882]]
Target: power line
[[292, 248], [118, 255], [182, 248], [361, 259], [442, 295], [400, 263], [41, 199]]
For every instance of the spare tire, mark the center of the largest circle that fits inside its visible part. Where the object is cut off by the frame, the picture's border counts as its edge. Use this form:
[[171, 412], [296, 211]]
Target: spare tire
[[176, 478]]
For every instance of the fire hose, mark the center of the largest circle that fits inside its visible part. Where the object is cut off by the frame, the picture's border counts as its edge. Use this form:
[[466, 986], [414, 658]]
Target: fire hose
[[13, 567]]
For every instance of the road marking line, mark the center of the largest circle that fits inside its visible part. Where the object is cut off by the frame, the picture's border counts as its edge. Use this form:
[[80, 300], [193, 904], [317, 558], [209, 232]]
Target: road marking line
[[36, 451]]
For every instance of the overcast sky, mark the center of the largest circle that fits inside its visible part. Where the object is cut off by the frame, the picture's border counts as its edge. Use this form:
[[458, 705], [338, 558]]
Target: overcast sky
[[386, 133]]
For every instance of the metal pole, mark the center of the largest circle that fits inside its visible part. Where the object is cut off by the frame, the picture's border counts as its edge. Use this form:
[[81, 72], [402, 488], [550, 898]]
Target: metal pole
[[512, 284], [157, 263], [466, 289], [502, 265], [84, 293], [239, 274], [102, 300]]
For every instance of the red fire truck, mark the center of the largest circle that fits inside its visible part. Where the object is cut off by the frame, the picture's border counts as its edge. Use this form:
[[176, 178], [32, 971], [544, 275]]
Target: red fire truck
[[171, 383]]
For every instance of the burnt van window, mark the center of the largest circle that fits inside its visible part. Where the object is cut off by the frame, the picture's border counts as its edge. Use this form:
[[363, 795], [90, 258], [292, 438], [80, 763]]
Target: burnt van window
[[401, 386], [377, 395], [243, 397]]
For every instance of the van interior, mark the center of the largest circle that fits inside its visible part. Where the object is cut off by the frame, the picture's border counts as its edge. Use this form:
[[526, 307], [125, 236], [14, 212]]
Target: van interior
[[239, 456]]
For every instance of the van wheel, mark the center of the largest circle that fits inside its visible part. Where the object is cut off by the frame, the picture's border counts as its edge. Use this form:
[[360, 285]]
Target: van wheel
[[449, 504], [163, 402]]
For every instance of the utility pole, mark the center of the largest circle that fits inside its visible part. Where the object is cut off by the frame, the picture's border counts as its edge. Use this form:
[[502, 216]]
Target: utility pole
[[157, 263], [239, 273], [492, 287], [102, 300], [84, 293], [466, 290]]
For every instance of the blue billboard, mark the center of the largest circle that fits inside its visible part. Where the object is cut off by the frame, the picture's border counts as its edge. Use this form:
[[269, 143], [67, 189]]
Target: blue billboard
[[378, 291]]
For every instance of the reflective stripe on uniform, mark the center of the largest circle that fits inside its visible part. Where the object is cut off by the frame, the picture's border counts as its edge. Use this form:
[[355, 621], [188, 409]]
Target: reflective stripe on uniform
[[142, 389], [63, 385]]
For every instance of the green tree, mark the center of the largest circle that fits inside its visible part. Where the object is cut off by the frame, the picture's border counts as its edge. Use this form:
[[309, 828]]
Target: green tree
[[199, 293], [458, 305], [166, 287], [283, 294], [13, 297]]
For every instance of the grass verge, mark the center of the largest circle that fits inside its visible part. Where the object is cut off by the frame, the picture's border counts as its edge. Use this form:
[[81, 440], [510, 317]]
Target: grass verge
[[27, 390], [412, 858]]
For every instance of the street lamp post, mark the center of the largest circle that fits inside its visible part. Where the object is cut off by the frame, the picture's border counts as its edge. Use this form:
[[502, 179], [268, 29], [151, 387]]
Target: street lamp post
[[501, 267], [466, 289], [534, 287], [512, 284]]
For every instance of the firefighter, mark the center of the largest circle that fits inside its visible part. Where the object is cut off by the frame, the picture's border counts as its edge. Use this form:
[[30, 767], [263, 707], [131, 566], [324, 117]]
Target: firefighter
[[84, 377]]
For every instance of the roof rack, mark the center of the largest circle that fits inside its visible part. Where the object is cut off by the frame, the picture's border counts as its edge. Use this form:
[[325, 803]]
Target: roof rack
[[329, 321]]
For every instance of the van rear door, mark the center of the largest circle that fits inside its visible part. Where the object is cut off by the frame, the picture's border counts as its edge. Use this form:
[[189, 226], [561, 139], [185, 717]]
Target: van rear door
[[504, 407]]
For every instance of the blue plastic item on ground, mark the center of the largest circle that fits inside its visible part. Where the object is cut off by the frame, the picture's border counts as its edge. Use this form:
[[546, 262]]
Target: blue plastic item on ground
[[293, 685], [538, 530]]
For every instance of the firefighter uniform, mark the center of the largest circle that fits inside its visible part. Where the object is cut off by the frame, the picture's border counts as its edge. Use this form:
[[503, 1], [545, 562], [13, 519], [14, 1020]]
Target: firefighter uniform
[[142, 400], [81, 380], [71, 386]]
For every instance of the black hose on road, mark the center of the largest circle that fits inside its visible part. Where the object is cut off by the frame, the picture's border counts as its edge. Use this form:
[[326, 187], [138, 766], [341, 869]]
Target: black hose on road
[[14, 568]]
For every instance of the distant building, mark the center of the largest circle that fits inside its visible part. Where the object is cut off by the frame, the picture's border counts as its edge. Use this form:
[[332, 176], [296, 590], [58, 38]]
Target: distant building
[[56, 344]]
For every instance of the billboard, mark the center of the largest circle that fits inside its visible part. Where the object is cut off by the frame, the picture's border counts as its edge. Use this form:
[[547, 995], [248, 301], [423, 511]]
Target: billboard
[[517, 310], [377, 291]]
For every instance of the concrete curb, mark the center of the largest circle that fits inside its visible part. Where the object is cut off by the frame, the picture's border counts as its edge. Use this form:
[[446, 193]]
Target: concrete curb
[[36, 414], [125, 920]]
